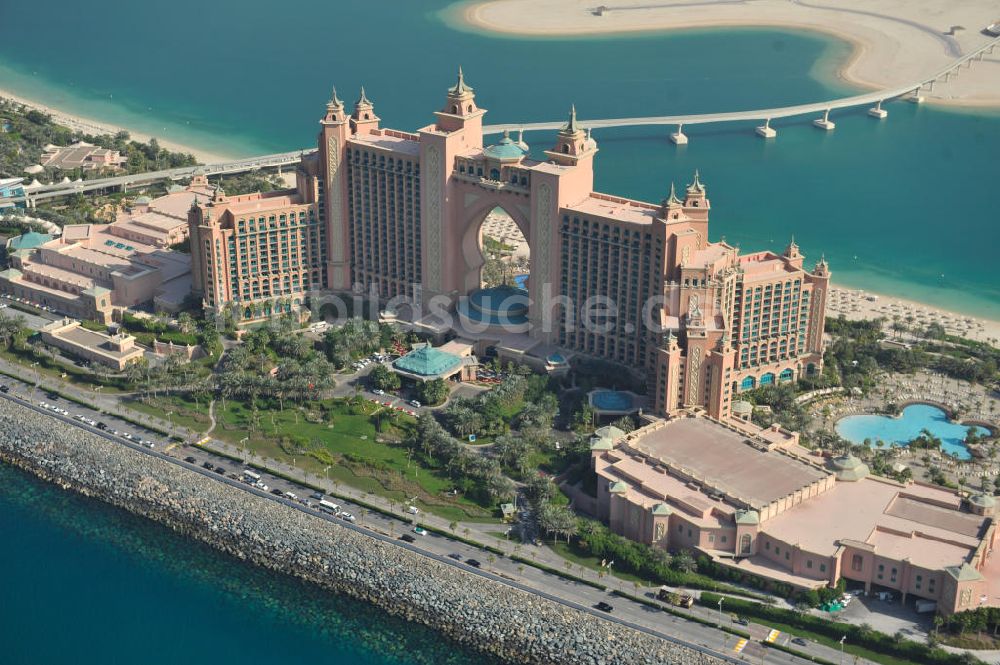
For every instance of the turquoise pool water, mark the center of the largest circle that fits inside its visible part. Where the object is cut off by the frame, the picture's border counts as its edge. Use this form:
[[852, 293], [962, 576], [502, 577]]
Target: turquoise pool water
[[612, 400], [899, 431]]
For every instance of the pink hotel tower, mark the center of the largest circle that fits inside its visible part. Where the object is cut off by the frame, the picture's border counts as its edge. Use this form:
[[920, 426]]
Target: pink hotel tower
[[390, 213]]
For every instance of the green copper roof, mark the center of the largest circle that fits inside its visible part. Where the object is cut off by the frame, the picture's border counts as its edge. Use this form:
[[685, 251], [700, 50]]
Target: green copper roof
[[507, 148], [428, 361], [29, 240], [747, 517], [618, 487], [963, 573], [662, 509], [849, 468], [982, 500], [609, 432], [741, 407]]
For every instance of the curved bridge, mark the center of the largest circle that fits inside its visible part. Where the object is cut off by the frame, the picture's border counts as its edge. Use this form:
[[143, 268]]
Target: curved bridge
[[766, 115]]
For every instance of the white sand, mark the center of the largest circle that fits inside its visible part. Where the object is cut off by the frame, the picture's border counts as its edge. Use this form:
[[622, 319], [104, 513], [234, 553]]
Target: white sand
[[896, 42], [857, 304], [91, 126]]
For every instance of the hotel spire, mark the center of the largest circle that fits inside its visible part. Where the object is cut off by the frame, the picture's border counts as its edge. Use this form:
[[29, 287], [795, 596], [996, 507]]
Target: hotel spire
[[363, 100], [571, 126], [672, 200], [364, 119], [696, 186], [335, 102], [460, 88]]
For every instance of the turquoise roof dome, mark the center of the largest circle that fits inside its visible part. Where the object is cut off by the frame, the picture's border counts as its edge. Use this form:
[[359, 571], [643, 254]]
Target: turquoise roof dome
[[428, 361], [506, 149]]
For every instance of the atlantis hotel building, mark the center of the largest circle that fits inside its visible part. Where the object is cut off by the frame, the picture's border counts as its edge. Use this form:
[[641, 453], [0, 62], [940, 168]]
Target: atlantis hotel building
[[393, 214]]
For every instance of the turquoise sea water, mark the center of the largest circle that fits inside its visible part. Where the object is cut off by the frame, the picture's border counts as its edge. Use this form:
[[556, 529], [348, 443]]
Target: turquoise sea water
[[883, 431], [906, 206], [89, 584]]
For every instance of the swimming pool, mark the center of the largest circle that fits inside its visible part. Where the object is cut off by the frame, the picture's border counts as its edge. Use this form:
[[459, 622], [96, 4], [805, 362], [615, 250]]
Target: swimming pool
[[611, 400], [887, 431]]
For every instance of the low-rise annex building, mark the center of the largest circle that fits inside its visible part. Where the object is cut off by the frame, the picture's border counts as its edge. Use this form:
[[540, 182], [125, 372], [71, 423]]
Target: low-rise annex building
[[115, 351], [94, 271], [757, 501], [81, 155]]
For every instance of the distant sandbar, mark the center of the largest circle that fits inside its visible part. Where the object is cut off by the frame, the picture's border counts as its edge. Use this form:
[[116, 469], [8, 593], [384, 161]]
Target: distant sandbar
[[895, 41]]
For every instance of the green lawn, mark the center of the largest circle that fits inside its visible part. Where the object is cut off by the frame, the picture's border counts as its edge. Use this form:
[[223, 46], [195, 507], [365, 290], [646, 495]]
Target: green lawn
[[344, 437], [186, 412]]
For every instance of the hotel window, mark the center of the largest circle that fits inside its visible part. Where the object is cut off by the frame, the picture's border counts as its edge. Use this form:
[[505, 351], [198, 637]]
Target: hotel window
[[822, 567], [916, 584], [809, 563], [777, 551], [857, 562]]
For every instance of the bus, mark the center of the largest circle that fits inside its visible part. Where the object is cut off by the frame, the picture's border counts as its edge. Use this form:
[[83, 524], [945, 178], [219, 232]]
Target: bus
[[251, 477], [329, 507]]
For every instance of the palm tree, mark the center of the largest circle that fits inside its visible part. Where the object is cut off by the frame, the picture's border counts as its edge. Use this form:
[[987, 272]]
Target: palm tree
[[684, 562]]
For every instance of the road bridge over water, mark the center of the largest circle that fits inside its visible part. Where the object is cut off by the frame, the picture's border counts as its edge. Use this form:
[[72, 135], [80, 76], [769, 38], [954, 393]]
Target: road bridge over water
[[137, 179], [911, 91]]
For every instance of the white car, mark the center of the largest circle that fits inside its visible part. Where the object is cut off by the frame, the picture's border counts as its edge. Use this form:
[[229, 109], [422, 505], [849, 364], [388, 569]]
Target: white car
[[349, 517], [412, 510], [378, 391], [415, 404]]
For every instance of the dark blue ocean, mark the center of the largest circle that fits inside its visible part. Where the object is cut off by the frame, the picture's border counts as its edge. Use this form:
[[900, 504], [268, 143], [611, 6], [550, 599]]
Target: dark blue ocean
[[89, 584]]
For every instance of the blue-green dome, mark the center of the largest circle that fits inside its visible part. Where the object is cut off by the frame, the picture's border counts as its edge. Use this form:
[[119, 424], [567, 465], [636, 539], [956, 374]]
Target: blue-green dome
[[506, 149], [427, 361]]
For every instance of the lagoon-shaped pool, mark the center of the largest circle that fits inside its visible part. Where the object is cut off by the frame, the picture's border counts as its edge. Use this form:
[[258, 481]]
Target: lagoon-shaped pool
[[885, 431]]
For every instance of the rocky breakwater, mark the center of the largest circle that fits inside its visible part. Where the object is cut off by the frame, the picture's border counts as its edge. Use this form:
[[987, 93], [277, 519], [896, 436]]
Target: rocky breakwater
[[515, 625]]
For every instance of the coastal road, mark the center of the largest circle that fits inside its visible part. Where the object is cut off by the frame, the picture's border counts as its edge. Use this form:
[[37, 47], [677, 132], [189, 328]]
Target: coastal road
[[443, 549]]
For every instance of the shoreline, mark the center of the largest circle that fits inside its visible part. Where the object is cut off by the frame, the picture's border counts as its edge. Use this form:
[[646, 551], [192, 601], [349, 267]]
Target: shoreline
[[87, 125], [473, 609], [865, 62], [855, 304]]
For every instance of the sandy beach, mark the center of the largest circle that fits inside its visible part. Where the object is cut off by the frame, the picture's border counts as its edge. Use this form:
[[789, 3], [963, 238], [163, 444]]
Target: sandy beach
[[857, 304], [895, 41], [91, 126]]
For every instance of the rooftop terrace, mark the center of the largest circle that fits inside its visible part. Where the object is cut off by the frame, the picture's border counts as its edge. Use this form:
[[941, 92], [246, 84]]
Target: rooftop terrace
[[724, 460], [924, 523]]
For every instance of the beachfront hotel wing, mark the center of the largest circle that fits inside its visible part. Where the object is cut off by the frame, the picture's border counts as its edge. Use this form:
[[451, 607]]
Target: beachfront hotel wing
[[399, 215], [96, 271], [756, 501]]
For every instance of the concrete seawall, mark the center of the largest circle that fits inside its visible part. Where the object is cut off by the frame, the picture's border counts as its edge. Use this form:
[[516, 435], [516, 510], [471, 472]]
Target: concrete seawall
[[471, 609]]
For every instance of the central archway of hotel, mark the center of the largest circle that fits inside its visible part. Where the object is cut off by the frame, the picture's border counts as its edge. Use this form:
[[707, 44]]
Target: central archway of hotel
[[504, 262]]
